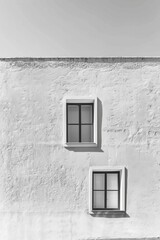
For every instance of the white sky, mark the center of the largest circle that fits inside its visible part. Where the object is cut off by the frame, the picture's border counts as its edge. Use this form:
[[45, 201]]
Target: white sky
[[87, 28]]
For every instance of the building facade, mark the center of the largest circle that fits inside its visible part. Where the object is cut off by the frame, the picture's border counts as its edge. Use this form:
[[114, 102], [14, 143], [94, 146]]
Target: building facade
[[80, 148]]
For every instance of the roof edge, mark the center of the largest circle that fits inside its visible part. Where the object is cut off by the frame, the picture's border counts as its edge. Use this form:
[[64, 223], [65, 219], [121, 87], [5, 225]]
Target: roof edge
[[84, 59]]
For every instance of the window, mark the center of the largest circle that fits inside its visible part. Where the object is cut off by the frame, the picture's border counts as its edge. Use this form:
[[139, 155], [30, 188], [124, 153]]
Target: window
[[80, 122], [107, 189]]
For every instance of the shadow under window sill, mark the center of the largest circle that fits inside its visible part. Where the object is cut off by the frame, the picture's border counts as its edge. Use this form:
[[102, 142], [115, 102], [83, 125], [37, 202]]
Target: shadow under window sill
[[109, 214], [83, 147]]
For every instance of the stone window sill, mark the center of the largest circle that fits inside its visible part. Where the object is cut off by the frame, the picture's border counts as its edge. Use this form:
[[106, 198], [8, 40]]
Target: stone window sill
[[68, 145], [109, 214]]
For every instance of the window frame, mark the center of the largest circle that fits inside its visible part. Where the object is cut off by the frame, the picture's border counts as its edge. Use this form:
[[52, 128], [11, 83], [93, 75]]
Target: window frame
[[80, 101], [121, 196], [105, 189]]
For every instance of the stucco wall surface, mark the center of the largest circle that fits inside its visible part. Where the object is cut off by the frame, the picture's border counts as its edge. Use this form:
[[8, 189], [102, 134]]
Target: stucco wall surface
[[44, 186]]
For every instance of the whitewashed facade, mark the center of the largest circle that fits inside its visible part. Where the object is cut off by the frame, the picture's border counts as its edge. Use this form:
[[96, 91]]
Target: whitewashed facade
[[44, 184]]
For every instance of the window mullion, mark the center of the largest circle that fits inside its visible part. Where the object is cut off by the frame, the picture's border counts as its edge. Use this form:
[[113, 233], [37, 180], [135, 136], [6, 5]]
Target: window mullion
[[93, 190], [105, 195], [67, 121], [92, 114], [79, 122]]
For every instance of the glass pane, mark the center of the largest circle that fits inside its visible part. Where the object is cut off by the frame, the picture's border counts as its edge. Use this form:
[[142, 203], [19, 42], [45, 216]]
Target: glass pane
[[98, 199], [73, 114], [112, 199], [99, 181], [86, 113], [112, 181], [87, 133], [73, 133]]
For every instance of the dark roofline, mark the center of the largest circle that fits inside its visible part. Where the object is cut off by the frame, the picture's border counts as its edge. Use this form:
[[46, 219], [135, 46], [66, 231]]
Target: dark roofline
[[84, 59]]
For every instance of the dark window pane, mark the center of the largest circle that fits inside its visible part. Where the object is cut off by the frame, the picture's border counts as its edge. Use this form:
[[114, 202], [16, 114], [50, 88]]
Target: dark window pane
[[86, 133], [73, 133], [73, 114], [112, 181], [112, 199], [99, 179], [98, 199], [86, 113]]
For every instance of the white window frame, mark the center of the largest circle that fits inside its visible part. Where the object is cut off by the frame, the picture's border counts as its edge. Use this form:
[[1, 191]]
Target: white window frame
[[122, 188], [80, 100]]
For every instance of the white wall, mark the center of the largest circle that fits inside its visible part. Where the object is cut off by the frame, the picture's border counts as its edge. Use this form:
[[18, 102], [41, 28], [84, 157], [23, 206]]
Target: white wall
[[43, 186]]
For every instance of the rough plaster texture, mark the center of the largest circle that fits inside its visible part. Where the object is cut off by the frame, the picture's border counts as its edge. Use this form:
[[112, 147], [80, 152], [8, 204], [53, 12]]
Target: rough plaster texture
[[43, 186]]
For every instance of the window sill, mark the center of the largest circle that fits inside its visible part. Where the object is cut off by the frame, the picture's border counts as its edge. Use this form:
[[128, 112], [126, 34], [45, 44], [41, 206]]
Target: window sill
[[68, 145], [108, 213]]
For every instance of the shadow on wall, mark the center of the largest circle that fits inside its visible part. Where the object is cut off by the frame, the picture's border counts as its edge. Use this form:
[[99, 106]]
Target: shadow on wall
[[111, 215], [114, 214], [99, 133]]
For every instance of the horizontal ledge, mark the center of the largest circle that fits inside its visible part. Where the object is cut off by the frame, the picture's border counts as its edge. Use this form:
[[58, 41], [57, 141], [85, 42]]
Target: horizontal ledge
[[98, 212], [83, 58], [109, 214], [68, 145]]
